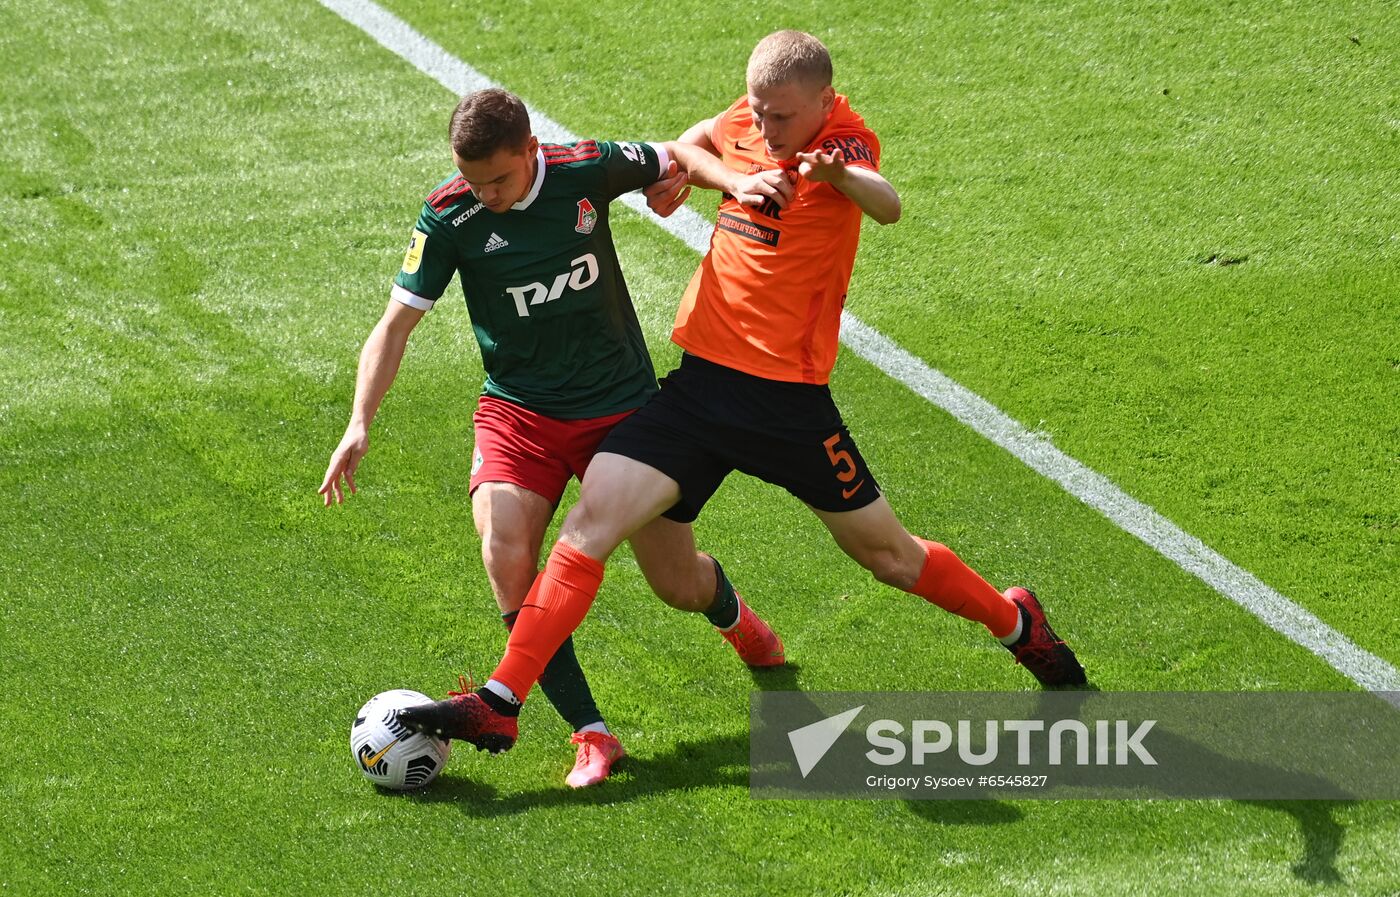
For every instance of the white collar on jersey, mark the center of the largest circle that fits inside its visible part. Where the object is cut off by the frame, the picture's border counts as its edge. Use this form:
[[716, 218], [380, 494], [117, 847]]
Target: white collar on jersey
[[539, 180]]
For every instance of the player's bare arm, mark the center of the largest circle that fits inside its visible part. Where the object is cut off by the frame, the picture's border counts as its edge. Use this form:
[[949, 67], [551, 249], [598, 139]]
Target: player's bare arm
[[671, 191], [379, 364], [867, 189], [698, 134], [706, 170]]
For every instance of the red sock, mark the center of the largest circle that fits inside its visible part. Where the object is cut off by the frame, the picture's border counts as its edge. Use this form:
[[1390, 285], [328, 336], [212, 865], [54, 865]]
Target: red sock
[[954, 586], [553, 609]]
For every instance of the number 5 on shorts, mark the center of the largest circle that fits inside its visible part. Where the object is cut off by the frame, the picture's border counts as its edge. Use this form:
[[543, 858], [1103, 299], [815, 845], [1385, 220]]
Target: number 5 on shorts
[[839, 459]]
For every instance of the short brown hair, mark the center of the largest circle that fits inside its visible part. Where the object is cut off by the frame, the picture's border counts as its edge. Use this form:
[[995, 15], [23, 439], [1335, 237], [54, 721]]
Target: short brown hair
[[785, 56], [487, 121]]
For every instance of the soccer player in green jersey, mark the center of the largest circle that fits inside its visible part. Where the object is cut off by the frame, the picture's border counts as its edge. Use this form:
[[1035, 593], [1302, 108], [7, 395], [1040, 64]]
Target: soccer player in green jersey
[[525, 226]]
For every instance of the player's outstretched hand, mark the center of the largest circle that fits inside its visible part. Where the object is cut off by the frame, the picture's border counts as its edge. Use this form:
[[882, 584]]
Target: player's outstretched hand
[[823, 167], [669, 193], [756, 189], [346, 457]]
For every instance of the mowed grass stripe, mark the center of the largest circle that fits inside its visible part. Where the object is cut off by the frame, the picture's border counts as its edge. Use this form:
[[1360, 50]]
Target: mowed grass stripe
[[1191, 554]]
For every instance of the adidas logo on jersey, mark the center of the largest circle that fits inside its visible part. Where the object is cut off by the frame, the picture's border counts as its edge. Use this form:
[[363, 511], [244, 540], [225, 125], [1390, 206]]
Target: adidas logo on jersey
[[496, 242]]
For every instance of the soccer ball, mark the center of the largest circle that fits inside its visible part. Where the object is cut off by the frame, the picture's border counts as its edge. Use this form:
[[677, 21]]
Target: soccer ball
[[389, 753]]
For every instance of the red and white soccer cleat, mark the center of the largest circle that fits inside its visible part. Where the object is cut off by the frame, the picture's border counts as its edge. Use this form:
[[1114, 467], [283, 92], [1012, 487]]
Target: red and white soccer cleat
[[597, 752], [758, 645], [1040, 650]]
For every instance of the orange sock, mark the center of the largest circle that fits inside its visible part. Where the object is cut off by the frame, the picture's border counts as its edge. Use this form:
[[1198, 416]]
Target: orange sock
[[553, 609], [954, 586]]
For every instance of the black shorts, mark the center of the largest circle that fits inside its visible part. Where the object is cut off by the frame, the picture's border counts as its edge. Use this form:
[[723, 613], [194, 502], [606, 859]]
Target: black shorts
[[708, 420]]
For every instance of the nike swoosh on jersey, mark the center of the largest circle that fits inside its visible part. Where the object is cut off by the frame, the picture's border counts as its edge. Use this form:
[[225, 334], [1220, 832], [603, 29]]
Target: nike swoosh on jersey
[[847, 493]]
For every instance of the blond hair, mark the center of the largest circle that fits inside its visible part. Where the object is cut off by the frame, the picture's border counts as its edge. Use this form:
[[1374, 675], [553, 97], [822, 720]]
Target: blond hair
[[785, 56]]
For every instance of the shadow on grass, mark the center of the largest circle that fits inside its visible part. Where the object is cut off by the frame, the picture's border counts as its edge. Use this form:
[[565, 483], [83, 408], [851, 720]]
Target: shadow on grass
[[723, 760], [720, 760], [984, 811], [1322, 837], [1322, 833]]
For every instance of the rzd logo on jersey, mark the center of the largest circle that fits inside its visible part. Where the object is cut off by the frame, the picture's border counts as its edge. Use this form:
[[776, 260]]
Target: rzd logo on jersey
[[583, 272], [587, 217]]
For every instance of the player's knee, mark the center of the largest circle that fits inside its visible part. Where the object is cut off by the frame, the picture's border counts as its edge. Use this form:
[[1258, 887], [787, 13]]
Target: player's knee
[[506, 558], [590, 530]]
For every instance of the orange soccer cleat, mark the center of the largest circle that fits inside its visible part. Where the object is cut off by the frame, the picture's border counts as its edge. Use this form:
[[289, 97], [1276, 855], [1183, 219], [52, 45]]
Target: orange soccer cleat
[[758, 645]]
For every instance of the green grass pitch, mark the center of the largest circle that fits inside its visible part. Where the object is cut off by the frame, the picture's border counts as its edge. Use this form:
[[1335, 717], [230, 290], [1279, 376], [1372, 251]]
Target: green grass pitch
[[1164, 234]]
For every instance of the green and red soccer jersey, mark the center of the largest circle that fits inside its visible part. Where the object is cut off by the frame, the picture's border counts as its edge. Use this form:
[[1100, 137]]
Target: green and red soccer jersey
[[544, 289]]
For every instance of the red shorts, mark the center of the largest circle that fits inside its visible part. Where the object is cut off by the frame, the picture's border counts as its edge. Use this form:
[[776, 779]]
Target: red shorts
[[519, 446]]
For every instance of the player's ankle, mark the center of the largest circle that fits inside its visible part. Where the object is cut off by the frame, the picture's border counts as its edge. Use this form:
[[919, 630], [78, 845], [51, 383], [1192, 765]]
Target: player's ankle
[[499, 698], [1021, 632], [723, 612]]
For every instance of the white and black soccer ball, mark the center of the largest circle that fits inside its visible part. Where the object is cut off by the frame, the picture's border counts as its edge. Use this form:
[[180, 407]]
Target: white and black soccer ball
[[390, 754]]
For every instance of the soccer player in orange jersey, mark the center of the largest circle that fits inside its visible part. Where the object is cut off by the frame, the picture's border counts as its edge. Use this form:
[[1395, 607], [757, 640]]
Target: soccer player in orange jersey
[[759, 325]]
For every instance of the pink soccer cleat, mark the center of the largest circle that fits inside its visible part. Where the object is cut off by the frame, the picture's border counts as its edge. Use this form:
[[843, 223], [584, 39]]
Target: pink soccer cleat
[[597, 752]]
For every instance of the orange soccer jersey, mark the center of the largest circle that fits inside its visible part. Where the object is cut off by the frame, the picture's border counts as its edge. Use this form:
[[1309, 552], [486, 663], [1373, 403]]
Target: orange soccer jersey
[[767, 298]]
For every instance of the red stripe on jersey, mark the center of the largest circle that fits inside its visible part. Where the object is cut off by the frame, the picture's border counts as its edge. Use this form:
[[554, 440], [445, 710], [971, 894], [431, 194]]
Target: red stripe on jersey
[[449, 199], [552, 157], [446, 199], [583, 146], [555, 154], [453, 184], [562, 160]]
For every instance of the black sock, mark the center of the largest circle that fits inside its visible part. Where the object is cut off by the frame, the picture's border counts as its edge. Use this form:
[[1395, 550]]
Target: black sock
[[564, 684], [724, 612]]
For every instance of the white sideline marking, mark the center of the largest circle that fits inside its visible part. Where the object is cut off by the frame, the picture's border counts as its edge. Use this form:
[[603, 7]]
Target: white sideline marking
[[1239, 585]]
